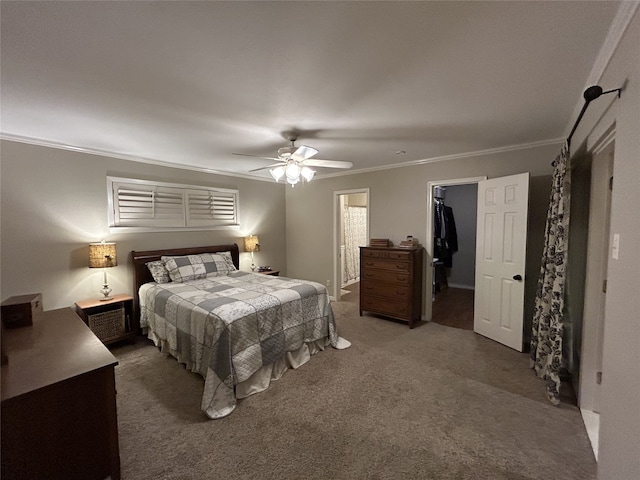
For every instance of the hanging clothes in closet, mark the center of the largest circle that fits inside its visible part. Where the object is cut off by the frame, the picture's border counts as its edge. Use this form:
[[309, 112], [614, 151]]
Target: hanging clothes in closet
[[445, 235]]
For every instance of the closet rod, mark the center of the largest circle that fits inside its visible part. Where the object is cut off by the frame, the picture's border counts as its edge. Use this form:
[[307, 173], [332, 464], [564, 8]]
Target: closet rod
[[590, 94]]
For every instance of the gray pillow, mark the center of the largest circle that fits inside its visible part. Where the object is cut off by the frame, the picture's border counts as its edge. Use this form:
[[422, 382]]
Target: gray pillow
[[193, 267]]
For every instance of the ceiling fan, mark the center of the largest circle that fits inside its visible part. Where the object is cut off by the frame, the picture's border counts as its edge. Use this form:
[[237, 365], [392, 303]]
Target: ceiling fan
[[294, 162]]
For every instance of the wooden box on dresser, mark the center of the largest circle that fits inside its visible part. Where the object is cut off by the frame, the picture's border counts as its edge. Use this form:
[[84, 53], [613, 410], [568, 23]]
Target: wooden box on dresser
[[391, 282]]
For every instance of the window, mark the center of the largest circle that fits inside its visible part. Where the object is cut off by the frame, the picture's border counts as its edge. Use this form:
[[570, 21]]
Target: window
[[142, 205]]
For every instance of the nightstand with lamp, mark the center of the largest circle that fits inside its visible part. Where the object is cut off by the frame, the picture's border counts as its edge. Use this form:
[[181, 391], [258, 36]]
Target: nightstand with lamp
[[108, 317]]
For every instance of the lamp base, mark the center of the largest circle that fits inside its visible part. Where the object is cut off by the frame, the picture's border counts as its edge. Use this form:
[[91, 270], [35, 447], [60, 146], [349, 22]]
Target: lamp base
[[106, 291]]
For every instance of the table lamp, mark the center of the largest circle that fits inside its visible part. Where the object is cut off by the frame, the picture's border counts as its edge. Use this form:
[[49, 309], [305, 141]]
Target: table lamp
[[103, 255]]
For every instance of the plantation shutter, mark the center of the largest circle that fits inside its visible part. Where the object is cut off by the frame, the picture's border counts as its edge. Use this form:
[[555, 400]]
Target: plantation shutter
[[208, 207], [149, 205], [155, 205]]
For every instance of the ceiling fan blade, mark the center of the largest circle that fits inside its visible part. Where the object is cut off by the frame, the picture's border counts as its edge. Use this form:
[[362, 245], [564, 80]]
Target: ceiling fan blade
[[268, 167], [255, 156], [303, 152], [327, 163]]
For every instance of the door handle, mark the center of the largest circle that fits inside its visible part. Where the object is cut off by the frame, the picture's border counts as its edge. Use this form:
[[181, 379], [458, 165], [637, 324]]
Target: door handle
[[517, 277]]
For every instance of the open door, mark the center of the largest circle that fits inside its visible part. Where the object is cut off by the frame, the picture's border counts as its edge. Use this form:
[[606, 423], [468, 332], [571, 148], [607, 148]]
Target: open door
[[500, 259]]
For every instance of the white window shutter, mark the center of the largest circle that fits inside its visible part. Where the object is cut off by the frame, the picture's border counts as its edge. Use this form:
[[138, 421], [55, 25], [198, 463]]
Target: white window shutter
[[209, 207], [141, 205], [148, 206]]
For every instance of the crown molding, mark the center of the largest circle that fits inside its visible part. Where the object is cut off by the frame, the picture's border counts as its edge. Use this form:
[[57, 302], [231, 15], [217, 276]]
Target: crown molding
[[617, 29], [122, 156], [477, 153], [104, 153]]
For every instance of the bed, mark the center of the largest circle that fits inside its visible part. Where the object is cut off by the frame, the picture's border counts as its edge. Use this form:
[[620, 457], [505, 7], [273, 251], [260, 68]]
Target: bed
[[239, 330]]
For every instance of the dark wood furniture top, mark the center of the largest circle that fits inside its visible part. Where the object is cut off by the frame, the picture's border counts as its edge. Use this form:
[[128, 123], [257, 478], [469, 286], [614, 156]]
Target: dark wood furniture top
[[58, 401], [47, 352], [142, 275], [391, 282]]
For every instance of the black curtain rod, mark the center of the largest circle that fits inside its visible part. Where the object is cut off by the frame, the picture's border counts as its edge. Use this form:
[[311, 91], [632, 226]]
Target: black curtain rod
[[590, 94]]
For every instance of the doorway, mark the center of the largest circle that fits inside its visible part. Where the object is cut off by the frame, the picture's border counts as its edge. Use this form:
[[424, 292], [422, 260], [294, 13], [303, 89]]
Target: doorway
[[454, 272], [351, 231], [590, 344], [502, 219], [458, 293]]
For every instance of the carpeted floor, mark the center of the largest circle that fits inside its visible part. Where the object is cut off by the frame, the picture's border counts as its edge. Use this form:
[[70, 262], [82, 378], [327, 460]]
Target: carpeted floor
[[430, 403]]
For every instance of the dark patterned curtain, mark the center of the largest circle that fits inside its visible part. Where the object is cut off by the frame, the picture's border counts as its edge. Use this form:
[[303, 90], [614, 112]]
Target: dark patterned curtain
[[549, 312]]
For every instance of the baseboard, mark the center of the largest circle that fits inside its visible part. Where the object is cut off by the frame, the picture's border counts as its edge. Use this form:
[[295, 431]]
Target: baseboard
[[351, 282], [460, 285]]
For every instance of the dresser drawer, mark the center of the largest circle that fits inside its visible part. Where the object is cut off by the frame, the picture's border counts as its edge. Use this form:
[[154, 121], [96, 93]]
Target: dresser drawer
[[385, 276], [391, 255], [384, 264], [398, 292], [400, 309]]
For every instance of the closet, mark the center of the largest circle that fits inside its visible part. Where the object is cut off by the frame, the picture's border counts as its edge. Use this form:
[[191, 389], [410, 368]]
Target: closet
[[454, 248]]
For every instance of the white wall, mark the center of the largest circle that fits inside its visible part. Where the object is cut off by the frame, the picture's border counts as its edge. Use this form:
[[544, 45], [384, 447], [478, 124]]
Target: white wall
[[54, 203]]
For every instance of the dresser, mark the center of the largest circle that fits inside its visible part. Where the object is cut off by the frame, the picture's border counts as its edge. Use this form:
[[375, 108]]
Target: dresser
[[391, 282], [58, 402]]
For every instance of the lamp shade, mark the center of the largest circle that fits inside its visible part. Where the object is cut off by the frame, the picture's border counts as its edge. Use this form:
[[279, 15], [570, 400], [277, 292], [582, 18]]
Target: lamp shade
[[102, 255], [251, 244]]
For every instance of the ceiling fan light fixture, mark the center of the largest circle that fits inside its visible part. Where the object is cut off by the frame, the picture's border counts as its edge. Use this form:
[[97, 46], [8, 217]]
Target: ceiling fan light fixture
[[295, 162], [307, 173], [277, 173], [292, 170]]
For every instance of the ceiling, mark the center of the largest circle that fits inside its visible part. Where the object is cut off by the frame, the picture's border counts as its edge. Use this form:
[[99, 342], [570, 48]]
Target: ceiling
[[188, 83]]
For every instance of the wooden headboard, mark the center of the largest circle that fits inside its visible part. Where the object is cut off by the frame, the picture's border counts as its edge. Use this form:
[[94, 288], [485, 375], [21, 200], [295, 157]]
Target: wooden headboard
[[142, 275]]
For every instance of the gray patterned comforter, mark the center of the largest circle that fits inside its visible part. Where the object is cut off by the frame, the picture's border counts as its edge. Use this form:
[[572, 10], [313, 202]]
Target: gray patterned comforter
[[226, 328]]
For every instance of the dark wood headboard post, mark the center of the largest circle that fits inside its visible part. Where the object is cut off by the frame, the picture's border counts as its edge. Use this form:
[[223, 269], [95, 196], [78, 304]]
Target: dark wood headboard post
[[142, 275]]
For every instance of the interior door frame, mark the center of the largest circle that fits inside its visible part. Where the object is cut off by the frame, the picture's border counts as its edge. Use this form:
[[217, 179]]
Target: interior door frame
[[428, 244], [593, 334], [337, 214]]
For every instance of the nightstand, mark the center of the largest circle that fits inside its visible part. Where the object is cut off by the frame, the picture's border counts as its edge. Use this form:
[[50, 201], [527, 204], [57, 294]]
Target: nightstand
[[109, 320], [275, 273]]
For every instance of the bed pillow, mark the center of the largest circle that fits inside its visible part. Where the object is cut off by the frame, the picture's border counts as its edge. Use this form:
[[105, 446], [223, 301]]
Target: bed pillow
[[219, 263], [229, 260], [193, 267], [158, 271]]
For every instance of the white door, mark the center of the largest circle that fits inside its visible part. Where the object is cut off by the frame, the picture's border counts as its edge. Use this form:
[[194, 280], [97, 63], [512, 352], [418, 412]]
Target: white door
[[500, 259]]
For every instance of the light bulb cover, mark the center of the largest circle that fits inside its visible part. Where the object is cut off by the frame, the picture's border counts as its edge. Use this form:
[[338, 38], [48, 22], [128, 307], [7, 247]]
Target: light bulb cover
[[292, 171], [307, 173], [277, 173]]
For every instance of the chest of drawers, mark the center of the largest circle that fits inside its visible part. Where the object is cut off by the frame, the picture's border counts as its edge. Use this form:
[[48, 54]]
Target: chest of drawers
[[59, 419], [391, 282]]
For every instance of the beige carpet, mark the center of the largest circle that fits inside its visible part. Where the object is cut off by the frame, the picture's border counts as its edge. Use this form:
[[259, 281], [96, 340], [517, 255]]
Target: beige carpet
[[430, 403]]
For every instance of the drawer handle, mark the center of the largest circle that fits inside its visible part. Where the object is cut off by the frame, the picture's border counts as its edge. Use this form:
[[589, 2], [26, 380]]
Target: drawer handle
[[400, 266], [369, 264]]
